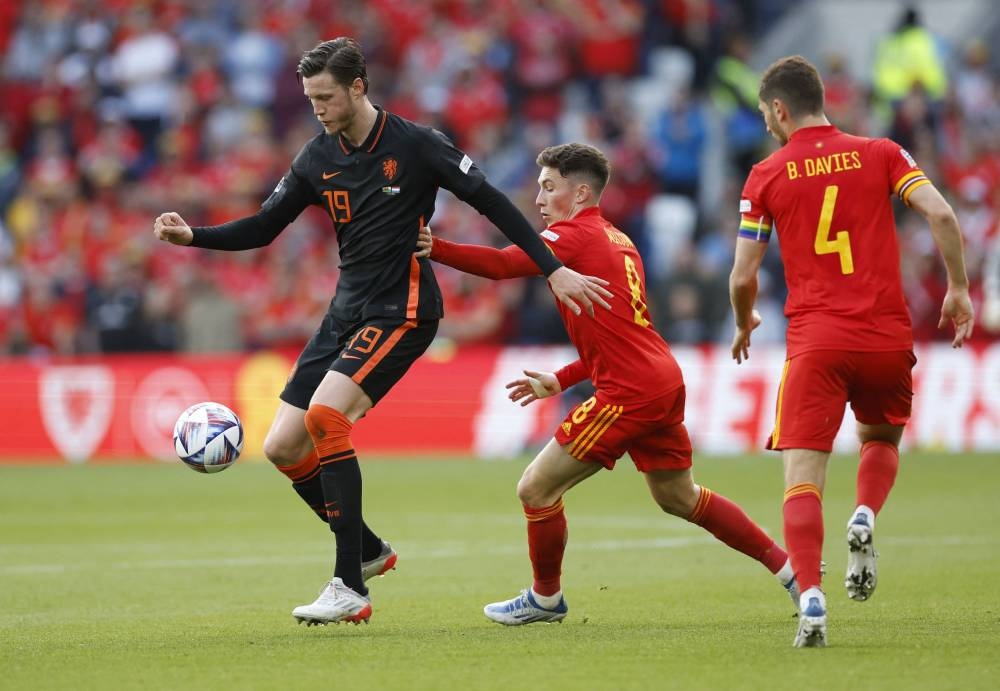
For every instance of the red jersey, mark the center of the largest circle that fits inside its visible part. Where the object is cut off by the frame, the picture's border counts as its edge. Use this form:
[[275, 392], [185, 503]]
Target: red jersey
[[620, 351], [827, 195]]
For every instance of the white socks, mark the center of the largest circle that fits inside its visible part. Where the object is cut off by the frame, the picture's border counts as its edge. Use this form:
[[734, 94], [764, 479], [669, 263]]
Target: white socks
[[785, 573], [809, 594], [547, 601], [867, 512]]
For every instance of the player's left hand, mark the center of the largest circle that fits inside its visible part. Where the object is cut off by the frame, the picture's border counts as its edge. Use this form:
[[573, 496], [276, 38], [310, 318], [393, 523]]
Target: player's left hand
[[571, 288], [425, 242], [741, 341], [533, 386], [957, 309]]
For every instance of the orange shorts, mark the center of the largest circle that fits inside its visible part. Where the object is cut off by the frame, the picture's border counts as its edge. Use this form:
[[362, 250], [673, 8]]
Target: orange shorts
[[817, 385], [653, 434]]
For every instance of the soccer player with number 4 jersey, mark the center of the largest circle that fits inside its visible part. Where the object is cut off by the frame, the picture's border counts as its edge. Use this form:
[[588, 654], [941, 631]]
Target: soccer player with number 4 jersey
[[827, 197], [638, 406]]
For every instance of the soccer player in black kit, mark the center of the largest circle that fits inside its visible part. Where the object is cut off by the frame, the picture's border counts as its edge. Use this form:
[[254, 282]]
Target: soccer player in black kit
[[377, 177]]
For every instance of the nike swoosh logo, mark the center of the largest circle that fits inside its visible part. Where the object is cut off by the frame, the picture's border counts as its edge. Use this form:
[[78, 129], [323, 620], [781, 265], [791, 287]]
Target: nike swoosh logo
[[327, 176], [351, 357]]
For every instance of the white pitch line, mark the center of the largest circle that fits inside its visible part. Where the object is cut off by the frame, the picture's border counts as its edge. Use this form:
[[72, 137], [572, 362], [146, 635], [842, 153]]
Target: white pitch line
[[447, 551], [452, 551]]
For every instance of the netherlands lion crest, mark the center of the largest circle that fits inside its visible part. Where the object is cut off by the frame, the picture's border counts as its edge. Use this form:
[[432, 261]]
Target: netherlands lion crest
[[389, 168]]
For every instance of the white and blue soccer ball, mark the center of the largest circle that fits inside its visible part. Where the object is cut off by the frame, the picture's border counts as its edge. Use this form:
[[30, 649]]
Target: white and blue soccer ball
[[208, 437]]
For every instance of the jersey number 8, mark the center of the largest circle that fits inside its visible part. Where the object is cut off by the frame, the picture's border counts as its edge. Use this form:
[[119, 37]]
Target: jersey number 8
[[635, 286]]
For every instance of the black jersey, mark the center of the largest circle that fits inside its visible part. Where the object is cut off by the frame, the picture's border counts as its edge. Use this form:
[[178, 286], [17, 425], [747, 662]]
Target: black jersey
[[377, 196]]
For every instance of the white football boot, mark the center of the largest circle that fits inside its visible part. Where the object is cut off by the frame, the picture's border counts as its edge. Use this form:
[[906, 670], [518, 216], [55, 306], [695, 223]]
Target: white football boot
[[524, 609], [336, 603], [380, 564], [861, 576], [812, 621]]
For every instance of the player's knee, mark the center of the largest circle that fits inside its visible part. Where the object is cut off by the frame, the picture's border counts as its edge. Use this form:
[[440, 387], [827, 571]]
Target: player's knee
[[525, 491], [329, 429], [886, 433], [533, 494], [279, 451], [677, 499], [675, 506]]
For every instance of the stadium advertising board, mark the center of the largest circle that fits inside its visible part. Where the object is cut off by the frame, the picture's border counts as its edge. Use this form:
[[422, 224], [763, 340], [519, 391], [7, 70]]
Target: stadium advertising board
[[116, 409]]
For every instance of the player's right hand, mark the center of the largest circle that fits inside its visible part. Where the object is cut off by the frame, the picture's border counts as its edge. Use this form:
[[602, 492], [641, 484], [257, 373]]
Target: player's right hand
[[957, 309], [741, 341], [571, 288], [170, 227], [425, 242], [533, 386]]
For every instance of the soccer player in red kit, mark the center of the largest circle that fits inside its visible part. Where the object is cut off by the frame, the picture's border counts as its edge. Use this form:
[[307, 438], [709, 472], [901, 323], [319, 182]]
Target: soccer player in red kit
[[827, 195], [638, 406]]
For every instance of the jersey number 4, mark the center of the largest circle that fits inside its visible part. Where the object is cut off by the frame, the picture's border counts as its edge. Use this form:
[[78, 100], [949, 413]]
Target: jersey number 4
[[841, 244]]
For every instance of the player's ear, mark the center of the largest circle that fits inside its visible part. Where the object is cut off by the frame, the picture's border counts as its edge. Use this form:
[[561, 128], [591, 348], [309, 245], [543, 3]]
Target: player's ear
[[781, 110]]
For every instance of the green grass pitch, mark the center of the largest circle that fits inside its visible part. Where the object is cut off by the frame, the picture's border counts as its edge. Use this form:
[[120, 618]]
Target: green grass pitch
[[155, 577]]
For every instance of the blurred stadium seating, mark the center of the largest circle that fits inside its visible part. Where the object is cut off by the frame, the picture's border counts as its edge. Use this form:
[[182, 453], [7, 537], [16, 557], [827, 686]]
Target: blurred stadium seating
[[115, 111]]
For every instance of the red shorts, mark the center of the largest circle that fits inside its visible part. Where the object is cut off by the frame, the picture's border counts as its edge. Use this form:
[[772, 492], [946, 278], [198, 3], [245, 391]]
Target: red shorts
[[653, 434], [817, 385]]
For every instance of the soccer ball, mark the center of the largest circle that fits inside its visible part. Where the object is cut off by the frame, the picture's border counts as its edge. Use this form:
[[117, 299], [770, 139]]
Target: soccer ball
[[208, 437]]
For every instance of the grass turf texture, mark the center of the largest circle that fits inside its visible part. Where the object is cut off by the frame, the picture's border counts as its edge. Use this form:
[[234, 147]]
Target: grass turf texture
[[155, 577]]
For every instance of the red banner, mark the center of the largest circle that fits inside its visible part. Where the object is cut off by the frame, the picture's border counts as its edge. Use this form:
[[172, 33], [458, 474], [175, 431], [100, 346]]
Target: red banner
[[452, 401]]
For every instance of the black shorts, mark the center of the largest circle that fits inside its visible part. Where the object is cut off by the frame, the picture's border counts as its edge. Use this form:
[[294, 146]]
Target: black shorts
[[375, 353]]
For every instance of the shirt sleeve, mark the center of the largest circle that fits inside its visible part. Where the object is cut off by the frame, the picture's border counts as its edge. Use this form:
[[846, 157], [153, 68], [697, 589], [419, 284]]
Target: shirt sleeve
[[904, 173], [502, 213], [756, 222], [488, 262], [571, 374], [453, 169], [563, 242], [283, 206]]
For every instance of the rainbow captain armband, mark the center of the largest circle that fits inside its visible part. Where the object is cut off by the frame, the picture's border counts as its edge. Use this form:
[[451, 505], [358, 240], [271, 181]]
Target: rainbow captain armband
[[755, 228]]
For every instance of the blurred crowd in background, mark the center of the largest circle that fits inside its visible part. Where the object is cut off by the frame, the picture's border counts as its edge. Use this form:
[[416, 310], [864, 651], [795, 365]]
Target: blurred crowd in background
[[112, 112]]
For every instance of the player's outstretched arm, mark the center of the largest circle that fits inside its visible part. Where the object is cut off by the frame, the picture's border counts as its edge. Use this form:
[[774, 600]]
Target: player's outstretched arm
[[532, 386], [743, 294], [568, 286], [574, 290], [170, 227], [957, 306], [488, 262]]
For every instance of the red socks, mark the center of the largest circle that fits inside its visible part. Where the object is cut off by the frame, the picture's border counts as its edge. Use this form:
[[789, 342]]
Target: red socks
[[876, 473], [803, 518], [730, 524], [547, 537]]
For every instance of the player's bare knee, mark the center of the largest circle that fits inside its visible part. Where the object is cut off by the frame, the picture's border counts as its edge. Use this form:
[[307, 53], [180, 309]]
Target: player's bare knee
[[675, 505], [886, 433], [675, 493], [676, 499], [526, 492], [279, 452], [533, 494]]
